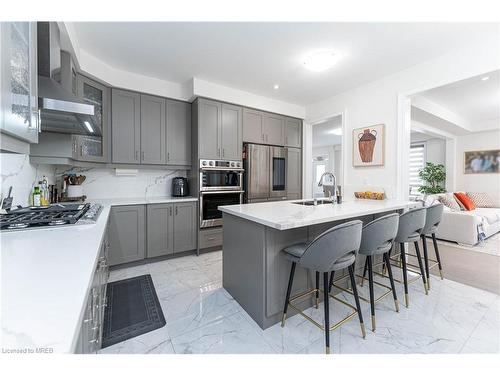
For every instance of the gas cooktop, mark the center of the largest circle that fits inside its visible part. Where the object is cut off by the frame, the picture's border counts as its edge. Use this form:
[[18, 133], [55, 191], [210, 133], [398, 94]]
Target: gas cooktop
[[57, 214]]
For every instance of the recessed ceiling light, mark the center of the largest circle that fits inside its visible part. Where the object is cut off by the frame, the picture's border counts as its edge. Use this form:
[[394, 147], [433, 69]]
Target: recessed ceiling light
[[337, 131], [321, 60], [276, 87], [485, 78]]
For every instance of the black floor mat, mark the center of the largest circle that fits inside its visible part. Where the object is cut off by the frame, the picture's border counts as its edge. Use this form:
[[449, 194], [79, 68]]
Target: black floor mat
[[133, 309]]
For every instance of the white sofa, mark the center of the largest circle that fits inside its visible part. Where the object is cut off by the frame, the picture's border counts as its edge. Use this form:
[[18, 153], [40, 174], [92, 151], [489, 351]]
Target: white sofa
[[464, 227]]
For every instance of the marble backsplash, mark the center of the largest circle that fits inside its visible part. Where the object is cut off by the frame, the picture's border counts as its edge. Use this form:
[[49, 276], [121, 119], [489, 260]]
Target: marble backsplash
[[101, 183], [18, 172]]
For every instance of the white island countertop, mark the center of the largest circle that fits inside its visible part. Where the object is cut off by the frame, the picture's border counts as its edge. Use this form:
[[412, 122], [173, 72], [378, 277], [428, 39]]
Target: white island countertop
[[284, 215], [46, 277]]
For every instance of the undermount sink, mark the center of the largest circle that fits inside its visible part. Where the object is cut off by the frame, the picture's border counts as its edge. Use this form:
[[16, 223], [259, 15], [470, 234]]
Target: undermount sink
[[311, 202]]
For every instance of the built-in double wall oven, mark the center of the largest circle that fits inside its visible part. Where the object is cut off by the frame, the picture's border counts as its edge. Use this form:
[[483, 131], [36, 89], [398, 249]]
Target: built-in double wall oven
[[221, 184]]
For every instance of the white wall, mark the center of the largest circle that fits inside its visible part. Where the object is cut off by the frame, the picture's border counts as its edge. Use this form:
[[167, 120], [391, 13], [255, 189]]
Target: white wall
[[489, 183], [17, 172], [377, 103]]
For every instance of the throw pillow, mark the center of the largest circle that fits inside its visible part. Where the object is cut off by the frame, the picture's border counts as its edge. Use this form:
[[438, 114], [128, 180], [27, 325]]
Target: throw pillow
[[482, 200], [466, 201], [449, 201]]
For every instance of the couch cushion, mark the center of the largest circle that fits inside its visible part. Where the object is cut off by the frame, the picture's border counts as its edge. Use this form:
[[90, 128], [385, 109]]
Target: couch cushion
[[491, 215], [449, 200], [482, 200], [466, 201]]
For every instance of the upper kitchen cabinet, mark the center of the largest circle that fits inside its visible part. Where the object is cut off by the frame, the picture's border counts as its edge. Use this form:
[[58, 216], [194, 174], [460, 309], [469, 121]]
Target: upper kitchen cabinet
[[153, 130], [94, 148], [273, 129], [126, 126], [219, 128], [178, 133], [252, 126], [19, 104], [293, 132]]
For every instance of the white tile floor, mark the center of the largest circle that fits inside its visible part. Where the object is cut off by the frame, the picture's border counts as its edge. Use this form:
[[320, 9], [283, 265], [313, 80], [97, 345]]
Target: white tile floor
[[203, 318]]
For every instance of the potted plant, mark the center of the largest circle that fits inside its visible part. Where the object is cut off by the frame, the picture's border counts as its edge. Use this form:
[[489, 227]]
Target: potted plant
[[433, 176]]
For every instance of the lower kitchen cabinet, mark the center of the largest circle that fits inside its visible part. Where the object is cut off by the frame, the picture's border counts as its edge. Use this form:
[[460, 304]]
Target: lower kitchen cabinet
[[160, 236], [184, 226], [127, 231]]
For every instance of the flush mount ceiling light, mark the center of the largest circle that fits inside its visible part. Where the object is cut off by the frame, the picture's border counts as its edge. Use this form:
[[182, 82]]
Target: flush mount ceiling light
[[485, 78], [89, 128], [276, 87], [321, 60], [337, 131]]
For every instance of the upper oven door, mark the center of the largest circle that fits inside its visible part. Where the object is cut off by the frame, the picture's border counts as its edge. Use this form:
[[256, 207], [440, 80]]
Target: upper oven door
[[220, 179]]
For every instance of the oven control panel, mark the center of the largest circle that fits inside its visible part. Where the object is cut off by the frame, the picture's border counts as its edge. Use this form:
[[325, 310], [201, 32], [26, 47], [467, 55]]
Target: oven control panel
[[226, 164]]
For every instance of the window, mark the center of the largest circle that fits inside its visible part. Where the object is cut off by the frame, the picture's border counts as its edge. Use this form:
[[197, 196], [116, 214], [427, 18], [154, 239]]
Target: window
[[417, 163]]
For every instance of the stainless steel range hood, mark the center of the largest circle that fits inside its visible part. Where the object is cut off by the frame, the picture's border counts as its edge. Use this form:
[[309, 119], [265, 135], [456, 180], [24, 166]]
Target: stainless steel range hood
[[61, 110]]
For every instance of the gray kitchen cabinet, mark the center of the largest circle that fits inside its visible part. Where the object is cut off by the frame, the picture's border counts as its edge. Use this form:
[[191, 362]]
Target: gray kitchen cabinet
[[293, 132], [126, 129], [208, 129], [231, 132], [185, 224], [94, 148], [273, 129], [160, 228], [18, 81], [252, 126], [153, 130], [127, 227], [293, 173], [219, 130], [178, 133]]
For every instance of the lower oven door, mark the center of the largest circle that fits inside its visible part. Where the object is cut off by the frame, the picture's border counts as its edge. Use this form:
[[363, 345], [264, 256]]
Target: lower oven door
[[210, 216]]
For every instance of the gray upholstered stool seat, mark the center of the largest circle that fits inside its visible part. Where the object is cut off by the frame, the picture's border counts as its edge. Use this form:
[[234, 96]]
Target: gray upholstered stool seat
[[332, 250], [433, 217]]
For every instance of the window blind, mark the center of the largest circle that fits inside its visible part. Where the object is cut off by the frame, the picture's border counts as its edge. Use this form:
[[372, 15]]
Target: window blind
[[417, 163]]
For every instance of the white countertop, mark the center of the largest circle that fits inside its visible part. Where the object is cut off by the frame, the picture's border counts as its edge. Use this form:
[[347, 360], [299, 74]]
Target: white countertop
[[46, 276], [284, 215]]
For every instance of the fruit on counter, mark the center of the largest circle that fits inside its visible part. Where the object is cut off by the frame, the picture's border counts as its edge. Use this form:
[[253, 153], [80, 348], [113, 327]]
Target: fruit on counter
[[370, 195]]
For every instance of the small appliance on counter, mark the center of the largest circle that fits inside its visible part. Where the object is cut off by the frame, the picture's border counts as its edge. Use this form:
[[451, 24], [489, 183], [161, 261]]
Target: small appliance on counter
[[180, 187]]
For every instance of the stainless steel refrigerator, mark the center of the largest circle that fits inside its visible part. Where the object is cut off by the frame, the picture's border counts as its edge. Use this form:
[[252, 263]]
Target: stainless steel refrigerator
[[265, 173]]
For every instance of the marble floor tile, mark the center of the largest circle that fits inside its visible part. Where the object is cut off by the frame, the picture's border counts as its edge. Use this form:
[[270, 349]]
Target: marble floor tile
[[486, 335], [126, 273], [157, 341], [229, 335]]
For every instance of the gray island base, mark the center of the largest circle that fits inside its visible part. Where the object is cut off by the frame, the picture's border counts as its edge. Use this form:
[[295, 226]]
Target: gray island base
[[255, 272]]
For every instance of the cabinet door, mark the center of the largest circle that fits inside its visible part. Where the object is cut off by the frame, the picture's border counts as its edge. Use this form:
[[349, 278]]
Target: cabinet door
[[293, 173], [184, 226], [126, 234], [293, 132], [18, 80], [126, 130], [95, 148], [160, 237], [252, 126], [209, 118], [153, 130], [178, 133], [231, 129], [274, 129]]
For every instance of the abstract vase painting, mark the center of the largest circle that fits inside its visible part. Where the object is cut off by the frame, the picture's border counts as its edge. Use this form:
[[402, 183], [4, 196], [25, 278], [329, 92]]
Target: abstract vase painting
[[368, 146]]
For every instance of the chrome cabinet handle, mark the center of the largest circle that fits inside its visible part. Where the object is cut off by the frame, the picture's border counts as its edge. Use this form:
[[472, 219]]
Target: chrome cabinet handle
[[170, 210], [81, 150], [176, 210], [136, 155], [168, 156], [222, 152], [142, 155]]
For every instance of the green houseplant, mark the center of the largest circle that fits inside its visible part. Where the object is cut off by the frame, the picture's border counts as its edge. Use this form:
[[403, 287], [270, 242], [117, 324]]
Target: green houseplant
[[433, 175]]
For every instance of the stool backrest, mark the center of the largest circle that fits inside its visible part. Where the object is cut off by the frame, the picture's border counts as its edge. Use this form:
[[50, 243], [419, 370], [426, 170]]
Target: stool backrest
[[411, 224], [379, 234], [332, 245], [433, 218]]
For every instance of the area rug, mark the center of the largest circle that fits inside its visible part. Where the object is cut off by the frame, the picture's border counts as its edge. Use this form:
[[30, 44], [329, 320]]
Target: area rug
[[133, 309]]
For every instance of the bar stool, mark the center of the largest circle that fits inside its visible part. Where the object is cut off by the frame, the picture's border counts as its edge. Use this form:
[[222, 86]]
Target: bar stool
[[410, 228], [333, 250], [377, 238], [433, 217]]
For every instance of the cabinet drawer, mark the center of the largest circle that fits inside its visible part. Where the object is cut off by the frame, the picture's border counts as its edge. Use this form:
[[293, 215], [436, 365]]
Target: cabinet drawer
[[210, 238]]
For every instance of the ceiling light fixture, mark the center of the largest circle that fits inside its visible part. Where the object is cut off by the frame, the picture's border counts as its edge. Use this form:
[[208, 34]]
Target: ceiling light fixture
[[337, 131], [485, 78], [89, 128], [276, 87], [321, 60]]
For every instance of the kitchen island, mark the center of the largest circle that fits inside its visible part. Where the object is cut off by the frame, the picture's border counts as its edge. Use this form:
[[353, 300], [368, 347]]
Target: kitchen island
[[255, 272]]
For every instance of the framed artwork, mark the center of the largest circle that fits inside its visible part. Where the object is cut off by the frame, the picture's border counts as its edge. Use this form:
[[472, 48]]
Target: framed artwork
[[368, 146], [476, 162]]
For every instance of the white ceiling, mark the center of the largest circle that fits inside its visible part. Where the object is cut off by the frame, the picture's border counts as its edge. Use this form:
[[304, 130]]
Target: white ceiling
[[255, 56], [472, 99], [321, 133]]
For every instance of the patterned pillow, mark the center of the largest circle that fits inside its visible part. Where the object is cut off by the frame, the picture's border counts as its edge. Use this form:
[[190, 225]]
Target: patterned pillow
[[482, 200], [449, 200]]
